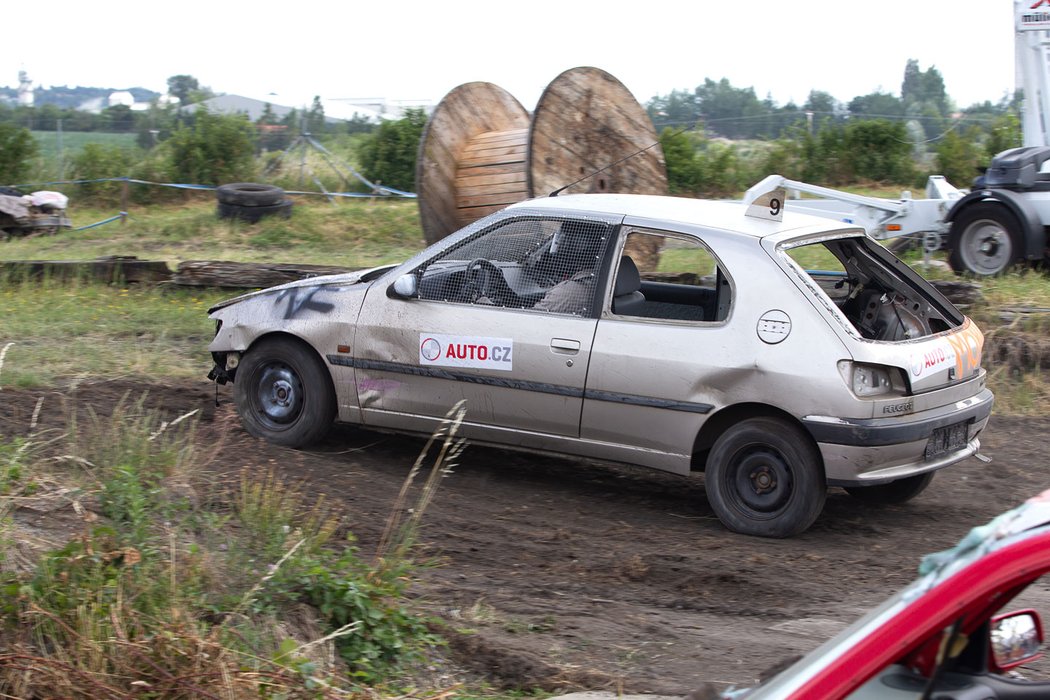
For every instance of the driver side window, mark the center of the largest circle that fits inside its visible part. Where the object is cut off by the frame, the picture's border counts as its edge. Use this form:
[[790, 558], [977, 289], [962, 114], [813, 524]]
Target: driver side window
[[540, 264]]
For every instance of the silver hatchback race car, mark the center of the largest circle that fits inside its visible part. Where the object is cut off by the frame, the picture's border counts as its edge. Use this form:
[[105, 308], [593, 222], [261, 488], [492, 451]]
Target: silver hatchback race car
[[777, 353]]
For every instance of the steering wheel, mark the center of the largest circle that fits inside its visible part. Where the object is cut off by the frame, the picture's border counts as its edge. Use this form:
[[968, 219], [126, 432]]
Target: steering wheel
[[479, 279]]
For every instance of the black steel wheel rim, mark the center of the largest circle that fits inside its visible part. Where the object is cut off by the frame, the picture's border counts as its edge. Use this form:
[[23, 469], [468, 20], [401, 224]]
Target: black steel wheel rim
[[278, 395], [760, 480]]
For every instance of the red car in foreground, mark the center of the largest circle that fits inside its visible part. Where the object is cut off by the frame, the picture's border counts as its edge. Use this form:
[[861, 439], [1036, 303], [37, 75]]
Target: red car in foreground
[[947, 635]]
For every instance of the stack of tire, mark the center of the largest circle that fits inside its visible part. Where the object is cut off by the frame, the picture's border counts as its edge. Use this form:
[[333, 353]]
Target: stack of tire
[[251, 201]]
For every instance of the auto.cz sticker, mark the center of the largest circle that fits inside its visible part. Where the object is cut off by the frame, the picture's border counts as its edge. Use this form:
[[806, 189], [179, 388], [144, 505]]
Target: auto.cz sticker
[[466, 351]]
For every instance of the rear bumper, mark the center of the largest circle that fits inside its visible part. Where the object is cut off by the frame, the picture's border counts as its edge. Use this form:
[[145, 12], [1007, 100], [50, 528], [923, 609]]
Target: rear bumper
[[862, 452]]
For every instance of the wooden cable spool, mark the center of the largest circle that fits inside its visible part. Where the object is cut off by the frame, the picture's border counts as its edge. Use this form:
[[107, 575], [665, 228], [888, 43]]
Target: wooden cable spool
[[480, 151]]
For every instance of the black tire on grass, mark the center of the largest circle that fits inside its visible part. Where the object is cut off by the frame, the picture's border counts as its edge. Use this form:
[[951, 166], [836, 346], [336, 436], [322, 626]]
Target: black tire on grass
[[253, 214], [249, 194]]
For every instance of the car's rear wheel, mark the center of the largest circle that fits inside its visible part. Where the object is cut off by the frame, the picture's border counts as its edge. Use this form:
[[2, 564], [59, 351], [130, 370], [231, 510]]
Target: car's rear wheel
[[284, 393], [764, 477], [898, 491]]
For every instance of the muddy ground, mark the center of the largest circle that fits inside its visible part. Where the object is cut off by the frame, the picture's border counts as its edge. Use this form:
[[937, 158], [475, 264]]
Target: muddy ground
[[559, 575]]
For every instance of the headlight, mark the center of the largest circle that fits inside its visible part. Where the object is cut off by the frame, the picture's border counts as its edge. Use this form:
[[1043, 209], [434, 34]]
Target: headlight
[[870, 381]]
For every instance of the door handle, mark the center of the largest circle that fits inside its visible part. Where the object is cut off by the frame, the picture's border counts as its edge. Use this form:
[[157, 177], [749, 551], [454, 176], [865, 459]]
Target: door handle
[[564, 346]]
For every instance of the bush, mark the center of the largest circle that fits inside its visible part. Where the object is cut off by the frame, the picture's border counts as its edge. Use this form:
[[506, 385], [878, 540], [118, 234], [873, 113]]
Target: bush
[[388, 156], [17, 150], [958, 156], [96, 161], [879, 150], [700, 167], [213, 150]]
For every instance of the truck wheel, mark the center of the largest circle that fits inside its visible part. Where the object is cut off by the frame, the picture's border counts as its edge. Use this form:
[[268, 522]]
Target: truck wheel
[[284, 394], [983, 240], [898, 491], [764, 477]]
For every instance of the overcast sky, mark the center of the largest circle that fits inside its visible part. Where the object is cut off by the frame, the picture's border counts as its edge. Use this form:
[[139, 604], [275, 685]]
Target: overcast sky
[[419, 50]]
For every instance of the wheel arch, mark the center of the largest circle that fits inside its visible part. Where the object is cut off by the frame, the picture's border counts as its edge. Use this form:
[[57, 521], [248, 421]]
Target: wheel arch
[[1032, 231], [285, 335], [717, 424]]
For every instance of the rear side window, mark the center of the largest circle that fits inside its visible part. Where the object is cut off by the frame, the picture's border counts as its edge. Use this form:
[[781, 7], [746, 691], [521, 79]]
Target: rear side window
[[668, 276], [875, 293]]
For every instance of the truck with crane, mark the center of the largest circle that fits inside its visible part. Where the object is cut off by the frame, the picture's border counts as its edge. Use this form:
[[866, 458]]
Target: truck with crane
[[1004, 218]]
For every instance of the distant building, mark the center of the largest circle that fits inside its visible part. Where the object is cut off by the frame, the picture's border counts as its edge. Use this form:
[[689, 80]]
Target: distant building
[[121, 97], [25, 89], [335, 110], [384, 108]]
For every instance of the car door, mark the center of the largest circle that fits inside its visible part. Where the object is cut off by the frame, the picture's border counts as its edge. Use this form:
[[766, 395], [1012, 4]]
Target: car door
[[663, 351], [478, 328]]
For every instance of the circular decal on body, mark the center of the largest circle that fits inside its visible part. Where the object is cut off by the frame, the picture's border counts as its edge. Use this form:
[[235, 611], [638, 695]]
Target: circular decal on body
[[430, 349], [773, 326]]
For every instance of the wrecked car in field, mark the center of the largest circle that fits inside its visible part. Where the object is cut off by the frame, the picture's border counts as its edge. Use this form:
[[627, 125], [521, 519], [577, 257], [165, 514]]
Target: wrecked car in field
[[34, 214], [945, 636], [777, 353]]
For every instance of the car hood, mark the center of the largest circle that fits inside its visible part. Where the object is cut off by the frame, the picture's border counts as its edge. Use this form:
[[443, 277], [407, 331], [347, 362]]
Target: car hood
[[343, 279]]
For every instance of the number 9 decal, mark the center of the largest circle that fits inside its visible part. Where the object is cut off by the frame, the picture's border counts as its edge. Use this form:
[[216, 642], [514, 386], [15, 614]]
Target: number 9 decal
[[774, 207]]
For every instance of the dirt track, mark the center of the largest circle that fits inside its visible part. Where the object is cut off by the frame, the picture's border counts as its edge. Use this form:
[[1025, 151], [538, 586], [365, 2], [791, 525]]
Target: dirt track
[[558, 575]]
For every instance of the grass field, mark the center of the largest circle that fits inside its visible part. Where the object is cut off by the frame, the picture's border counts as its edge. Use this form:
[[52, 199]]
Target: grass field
[[354, 233], [52, 143]]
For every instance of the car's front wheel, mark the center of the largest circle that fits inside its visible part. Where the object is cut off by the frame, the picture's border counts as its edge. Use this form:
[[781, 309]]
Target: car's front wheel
[[898, 491], [764, 477], [284, 393]]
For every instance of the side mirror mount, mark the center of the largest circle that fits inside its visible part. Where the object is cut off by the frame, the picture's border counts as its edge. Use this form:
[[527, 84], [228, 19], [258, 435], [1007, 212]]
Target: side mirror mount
[[1016, 639], [405, 287]]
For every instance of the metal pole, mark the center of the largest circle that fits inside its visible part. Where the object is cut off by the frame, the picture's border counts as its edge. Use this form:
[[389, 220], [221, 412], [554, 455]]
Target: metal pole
[[61, 154]]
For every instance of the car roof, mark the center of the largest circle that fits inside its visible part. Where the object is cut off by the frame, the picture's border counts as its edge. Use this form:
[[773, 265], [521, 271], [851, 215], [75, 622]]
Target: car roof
[[727, 215]]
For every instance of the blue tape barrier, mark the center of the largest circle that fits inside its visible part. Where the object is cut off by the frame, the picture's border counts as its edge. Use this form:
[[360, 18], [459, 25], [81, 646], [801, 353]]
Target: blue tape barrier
[[377, 190], [110, 220]]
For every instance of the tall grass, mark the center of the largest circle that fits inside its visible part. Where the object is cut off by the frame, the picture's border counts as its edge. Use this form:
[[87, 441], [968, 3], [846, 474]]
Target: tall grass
[[172, 585]]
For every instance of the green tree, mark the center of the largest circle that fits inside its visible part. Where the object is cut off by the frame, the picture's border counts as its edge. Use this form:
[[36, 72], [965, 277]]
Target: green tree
[[958, 156], [876, 105], [214, 149], [735, 113], [118, 119], [360, 124], [1005, 133], [267, 118], [18, 148], [388, 155], [315, 122], [183, 87], [879, 150], [681, 107]]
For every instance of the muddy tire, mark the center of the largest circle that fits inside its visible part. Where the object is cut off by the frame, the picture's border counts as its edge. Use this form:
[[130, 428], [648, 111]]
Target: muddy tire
[[899, 491], [984, 240], [252, 215], [284, 393], [249, 194], [764, 477]]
